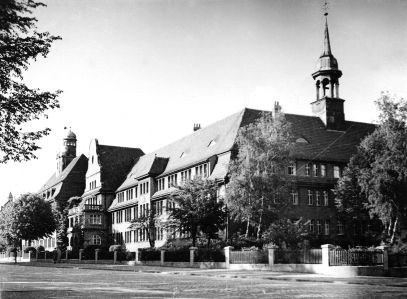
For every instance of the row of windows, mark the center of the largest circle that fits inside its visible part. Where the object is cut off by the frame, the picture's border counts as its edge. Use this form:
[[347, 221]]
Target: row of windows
[[139, 235], [172, 180], [315, 197], [319, 227], [315, 170], [95, 219], [318, 198], [92, 185]]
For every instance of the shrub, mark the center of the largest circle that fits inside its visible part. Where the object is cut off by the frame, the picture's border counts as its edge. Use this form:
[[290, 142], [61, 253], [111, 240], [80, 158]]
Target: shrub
[[30, 248], [180, 255], [150, 255], [40, 248], [209, 255]]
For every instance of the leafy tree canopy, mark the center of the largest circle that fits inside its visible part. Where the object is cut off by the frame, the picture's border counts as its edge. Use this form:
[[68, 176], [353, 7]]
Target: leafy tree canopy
[[257, 173], [30, 217], [376, 178], [285, 232], [198, 209], [20, 44]]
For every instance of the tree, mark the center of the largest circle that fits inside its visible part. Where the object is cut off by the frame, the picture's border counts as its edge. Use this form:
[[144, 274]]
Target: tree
[[380, 168], [257, 173], [20, 44], [60, 210], [147, 223], [30, 217], [286, 232], [198, 209]]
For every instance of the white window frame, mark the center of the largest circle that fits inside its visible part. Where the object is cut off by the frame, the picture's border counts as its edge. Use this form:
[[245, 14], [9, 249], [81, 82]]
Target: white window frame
[[294, 197]]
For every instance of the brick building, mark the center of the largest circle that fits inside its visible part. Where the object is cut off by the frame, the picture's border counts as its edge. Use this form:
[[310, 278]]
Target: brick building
[[66, 182], [324, 145], [106, 170]]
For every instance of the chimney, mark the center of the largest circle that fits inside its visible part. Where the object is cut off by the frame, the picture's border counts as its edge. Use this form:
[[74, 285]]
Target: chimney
[[277, 108], [197, 127]]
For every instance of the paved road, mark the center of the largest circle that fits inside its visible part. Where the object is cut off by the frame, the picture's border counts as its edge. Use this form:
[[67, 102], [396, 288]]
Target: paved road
[[19, 281]]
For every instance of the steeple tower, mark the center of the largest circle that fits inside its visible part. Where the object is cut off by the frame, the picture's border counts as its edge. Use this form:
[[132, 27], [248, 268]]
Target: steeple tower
[[328, 106], [68, 152]]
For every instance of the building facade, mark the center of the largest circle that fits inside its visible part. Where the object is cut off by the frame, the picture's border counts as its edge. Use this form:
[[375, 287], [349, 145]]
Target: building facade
[[67, 181]]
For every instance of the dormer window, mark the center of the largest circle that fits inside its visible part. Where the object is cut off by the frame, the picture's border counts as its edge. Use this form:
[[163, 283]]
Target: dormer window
[[212, 143], [301, 140], [183, 154]]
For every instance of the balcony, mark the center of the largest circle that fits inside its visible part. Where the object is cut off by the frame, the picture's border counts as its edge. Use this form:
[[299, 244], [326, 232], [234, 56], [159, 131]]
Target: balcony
[[92, 208]]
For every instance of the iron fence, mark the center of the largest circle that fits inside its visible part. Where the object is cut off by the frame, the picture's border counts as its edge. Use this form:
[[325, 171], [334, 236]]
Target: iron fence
[[249, 257], [304, 256], [340, 257]]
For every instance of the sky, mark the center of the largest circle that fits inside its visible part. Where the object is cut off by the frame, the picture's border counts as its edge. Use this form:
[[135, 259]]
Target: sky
[[140, 73]]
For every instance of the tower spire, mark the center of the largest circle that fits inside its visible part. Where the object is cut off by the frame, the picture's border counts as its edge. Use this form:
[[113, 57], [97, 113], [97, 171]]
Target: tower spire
[[327, 43]]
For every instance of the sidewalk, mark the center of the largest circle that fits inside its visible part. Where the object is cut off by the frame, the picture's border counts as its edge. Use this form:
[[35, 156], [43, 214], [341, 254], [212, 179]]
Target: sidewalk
[[233, 274]]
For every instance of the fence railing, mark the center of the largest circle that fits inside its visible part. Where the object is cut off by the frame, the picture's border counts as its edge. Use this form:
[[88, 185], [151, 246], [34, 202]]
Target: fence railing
[[249, 257], [340, 257], [397, 259], [306, 256], [209, 255]]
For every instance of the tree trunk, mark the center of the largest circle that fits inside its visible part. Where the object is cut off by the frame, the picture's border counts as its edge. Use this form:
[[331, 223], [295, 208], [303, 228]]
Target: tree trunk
[[260, 220], [247, 227], [394, 230]]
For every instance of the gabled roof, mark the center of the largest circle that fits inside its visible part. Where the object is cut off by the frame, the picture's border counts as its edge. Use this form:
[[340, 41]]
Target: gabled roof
[[323, 144], [115, 162], [193, 148], [75, 163]]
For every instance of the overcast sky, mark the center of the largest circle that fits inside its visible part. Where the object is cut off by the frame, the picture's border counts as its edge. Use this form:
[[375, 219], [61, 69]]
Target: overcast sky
[[140, 73]]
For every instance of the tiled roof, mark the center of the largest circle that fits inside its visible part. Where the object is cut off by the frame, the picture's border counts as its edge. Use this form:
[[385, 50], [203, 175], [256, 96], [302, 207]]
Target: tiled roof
[[115, 162], [193, 148], [54, 180], [323, 144]]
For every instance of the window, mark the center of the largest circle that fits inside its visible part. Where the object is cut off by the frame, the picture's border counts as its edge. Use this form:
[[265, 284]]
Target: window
[[319, 227], [160, 184], [339, 227], [318, 198], [127, 237], [127, 215], [95, 219], [294, 197], [144, 188], [172, 180], [129, 194], [202, 170], [119, 216], [315, 169], [96, 240], [312, 226], [337, 172], [113, 217], [120, 197], [135, 191], [158, 207], [310, 198], [323, 170], [291, 169], [135, 212], [308, 169], [326, 200], [326, 228]]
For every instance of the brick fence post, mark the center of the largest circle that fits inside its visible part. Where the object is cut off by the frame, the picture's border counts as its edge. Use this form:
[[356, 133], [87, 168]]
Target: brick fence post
[[162, 260], [80, 254], [45, 255], [96, 255], [66, 254], [272, 254], [115, 256], [137, 257], [385, 249], [192, 255], [227, 249], [326, 248], [36, 254]]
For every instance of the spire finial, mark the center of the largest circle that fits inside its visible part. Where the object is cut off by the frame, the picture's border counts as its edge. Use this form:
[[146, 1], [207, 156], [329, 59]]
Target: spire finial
[[325, 8]]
